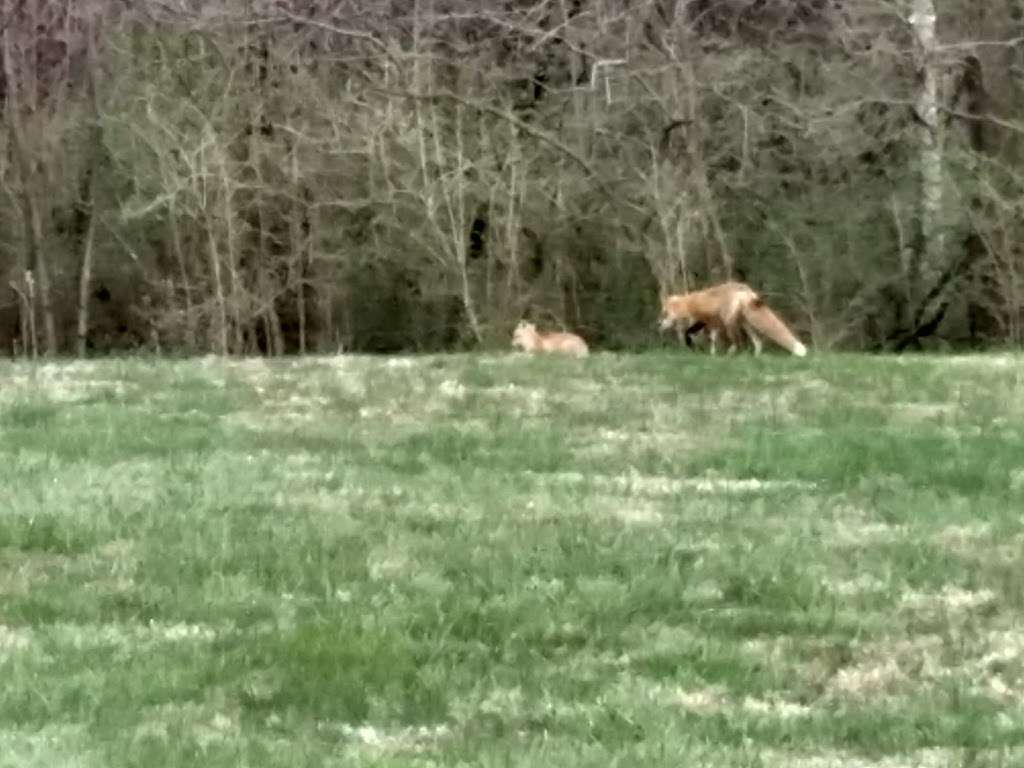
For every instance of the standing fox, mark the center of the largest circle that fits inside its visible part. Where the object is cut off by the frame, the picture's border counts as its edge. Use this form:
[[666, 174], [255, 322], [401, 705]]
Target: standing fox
[[726, 309], [527, 337]]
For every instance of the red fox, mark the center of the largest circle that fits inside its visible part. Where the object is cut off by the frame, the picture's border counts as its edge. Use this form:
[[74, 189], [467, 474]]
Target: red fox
[[726, 309], [527, 337]]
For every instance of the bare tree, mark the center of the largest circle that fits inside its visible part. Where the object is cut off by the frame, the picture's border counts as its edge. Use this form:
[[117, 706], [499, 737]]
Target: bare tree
[[29, 173]]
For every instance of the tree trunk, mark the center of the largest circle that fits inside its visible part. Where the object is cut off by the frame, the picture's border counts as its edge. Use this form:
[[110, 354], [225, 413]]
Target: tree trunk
[[299, 247], [85, 275], [174, 234], [218, 287], [927, 265], [231, 245], [36, 261]]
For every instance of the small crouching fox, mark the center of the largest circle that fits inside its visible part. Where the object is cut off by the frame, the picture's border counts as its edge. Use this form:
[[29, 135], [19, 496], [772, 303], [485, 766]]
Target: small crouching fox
[[528, 338], [725, 310]]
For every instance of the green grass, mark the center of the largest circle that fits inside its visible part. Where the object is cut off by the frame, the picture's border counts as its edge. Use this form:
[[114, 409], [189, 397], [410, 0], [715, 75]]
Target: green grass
[[662, 559]]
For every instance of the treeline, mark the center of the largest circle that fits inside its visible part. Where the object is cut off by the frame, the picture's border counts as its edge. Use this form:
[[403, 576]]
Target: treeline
[[282, 176]]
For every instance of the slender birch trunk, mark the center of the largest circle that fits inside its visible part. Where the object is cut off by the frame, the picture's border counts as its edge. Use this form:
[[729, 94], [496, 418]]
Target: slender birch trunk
[[929, 259]]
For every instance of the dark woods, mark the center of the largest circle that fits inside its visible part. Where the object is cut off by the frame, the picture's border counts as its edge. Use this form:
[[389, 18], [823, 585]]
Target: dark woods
[[274, 177]]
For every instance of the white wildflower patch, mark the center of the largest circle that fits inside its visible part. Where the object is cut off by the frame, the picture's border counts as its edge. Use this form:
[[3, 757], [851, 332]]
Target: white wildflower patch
[[864, 583], [659, 638], [926, 758], [638, 514], [387, 563], [867, 680], [881, 669], [13, 640], [951, 600], [303, 468], [333, 502], [430, 582], [813, 385], [400, 363], [62, 383], [963, 538], [601, 590], [412, 739], [552, 587], [995, 688], [704, 591], [742, 485], [128, 485], [452, 388], [701, 700], [78, 367], [746, 405], [132, 636], [861, 533], [659, 485], [890, 668], [614, 435], [992, 667], [207, 726], [183, 631], [255, 365], [343, 362], [775, 708], [298, 400], [714, 699], [619, 442], [300, 460], [218, 729], [271, 420], [1002, 647], [497, 359], [957, 434], [981, 361], [916, 412], [768, 649], [527, 401], [508, 703], [48, 746], [210, 360]]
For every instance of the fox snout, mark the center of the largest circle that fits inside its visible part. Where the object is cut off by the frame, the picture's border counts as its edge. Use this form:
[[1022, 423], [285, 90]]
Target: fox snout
[[665, 322]]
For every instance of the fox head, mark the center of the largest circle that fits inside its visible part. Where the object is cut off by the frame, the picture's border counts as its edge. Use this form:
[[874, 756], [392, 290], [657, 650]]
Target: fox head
[[671, 314], [523, 332]]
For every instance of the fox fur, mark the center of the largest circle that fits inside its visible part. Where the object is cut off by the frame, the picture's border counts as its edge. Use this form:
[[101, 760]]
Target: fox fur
[[528, 338], [727, 310]]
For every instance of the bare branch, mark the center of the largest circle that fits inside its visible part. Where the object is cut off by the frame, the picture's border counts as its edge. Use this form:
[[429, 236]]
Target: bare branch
[[508, 117]]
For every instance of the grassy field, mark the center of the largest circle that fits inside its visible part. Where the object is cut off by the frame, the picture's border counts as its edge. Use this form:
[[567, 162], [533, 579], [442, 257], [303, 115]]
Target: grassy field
[[652, 560]]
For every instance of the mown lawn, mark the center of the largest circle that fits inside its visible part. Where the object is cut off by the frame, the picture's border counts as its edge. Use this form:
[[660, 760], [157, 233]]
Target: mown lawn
[[663, 559]]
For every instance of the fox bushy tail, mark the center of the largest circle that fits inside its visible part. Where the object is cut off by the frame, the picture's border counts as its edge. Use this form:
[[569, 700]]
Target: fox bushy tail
[[768, 324]]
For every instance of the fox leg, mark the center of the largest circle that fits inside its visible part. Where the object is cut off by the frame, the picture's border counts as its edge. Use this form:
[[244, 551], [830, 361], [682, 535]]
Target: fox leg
[[713, 333], [683, 335], [754, 339], [731, 339], [690, 331], [735, 339]]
